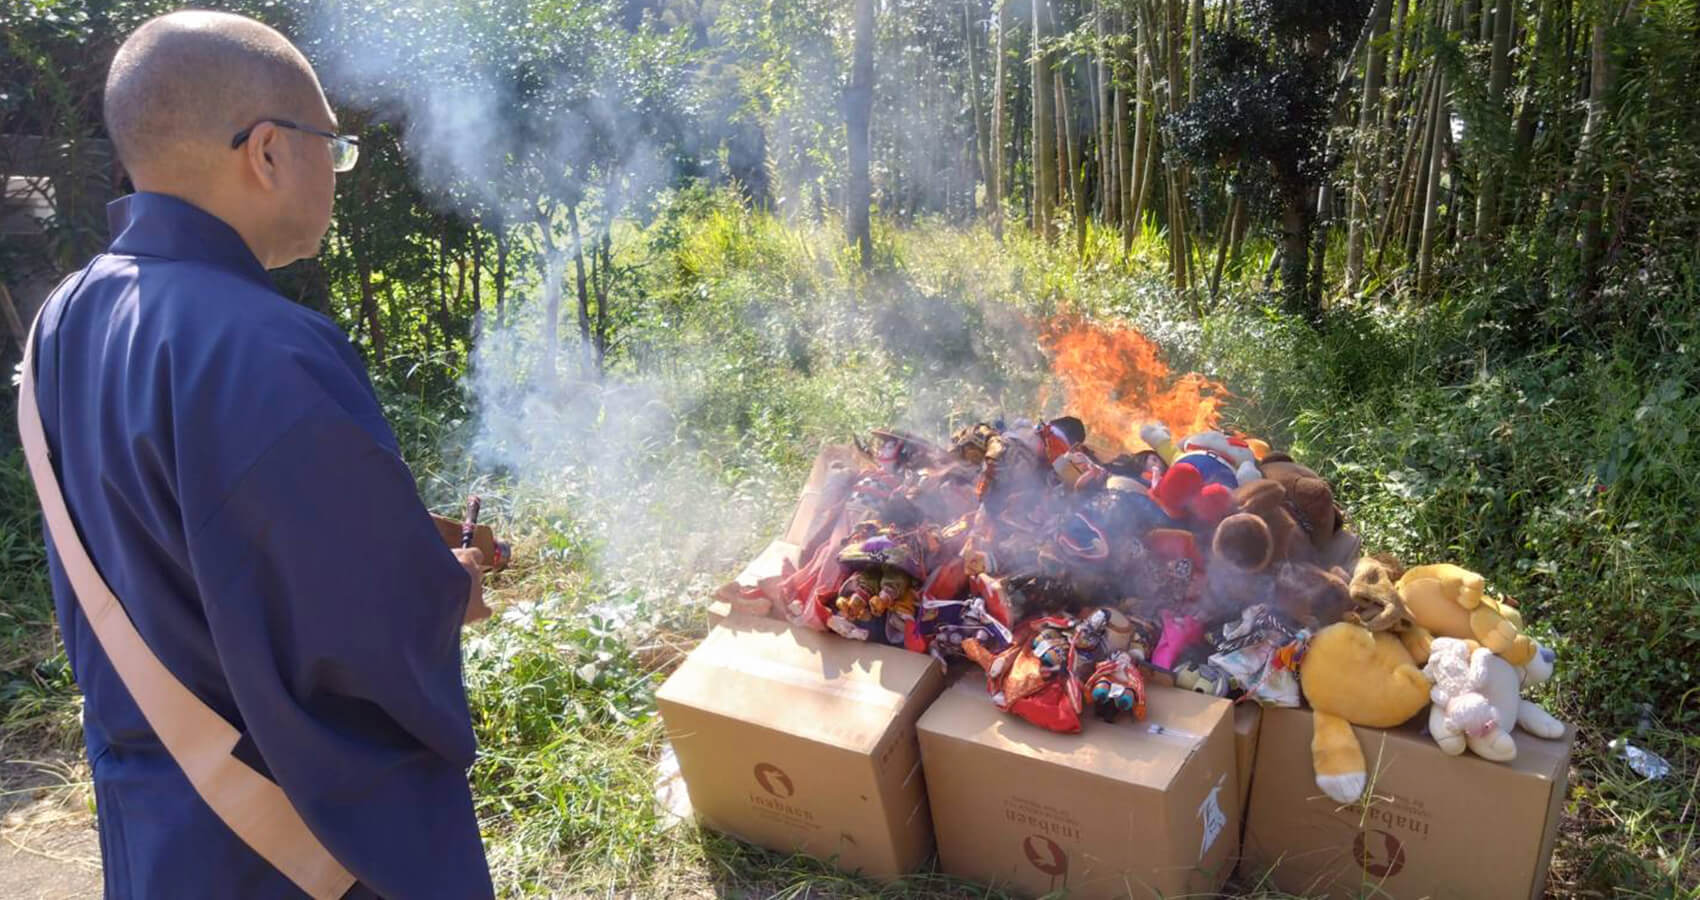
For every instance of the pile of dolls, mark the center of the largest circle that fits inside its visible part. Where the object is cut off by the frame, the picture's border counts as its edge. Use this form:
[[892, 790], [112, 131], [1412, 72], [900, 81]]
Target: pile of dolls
[[1066, 575], [1213, 563]]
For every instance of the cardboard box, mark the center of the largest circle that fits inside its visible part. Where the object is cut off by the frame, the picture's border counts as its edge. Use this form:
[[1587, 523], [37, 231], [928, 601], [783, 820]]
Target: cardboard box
[[803, 741], [1437, 826], [1130, 809], [1248, 717]]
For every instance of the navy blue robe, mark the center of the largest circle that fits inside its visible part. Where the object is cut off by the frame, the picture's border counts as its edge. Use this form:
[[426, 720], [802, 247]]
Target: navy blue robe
[[227, 465]]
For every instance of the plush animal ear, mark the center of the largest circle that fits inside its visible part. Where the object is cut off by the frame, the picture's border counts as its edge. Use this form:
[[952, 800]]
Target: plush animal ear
[[1244, 541]]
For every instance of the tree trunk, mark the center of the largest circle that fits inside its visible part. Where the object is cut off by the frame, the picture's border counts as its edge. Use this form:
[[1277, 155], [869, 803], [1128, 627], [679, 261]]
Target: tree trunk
[[1180, 238], [1133, 214], [1588, 178], [1230, 226], [1123, 162], [1403, 193], [1517, 176], [1108, 204], [445, 317], [858, 111], [477, 289], [1396, 124], [501, 275], [1295, 247], [603, 333], [369, 307], [981, 139], [579, 276], [555, 271], [1044, 128], [1197, 38], [1367, 155], [1431, 205], [1072, 141], [1499, 82], [994, 178]]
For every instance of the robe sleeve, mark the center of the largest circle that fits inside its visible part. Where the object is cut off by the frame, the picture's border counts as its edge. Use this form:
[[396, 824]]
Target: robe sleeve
[[335, 611]]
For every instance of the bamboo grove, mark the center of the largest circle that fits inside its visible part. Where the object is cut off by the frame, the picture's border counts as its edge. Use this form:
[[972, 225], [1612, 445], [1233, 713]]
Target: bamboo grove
[[1377, 143], [1309, 150]]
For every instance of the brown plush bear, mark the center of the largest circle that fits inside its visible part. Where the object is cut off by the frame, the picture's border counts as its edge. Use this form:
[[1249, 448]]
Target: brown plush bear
[[1310, 503], [1245, 541], [1266, 500], [1311, 595]]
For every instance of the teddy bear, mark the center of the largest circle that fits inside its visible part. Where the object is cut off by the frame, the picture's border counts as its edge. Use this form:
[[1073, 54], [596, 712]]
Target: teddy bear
[[1309, 501], [1449, 601], [1477, 699], [1353, 676]]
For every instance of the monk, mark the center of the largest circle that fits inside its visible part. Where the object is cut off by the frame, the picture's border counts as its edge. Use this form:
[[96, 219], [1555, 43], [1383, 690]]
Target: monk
[[226, 464]]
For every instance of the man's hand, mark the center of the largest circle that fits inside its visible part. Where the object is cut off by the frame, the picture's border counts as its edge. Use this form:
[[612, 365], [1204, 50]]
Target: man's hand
[[472, 560]]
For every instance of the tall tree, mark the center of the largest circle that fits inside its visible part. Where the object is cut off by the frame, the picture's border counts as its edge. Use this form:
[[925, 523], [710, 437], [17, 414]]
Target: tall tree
[[858, 110], [1000, 103], [1368, 155], [1266, 93], [1498, 119], [1044, 124]]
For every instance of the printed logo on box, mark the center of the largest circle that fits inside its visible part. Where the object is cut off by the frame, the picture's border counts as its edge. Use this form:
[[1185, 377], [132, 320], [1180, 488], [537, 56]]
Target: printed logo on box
[[1041, 817], [1380, 853], [774, 780], [1045, 855], [779, 788], [1403, 815], [1210, 812]]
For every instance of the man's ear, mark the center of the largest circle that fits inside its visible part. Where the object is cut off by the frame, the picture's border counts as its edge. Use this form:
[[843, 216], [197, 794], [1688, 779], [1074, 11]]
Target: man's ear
[[260, 153]]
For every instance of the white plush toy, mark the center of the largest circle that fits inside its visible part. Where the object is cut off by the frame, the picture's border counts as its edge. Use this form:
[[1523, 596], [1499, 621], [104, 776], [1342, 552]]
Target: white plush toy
[[1477, 699]]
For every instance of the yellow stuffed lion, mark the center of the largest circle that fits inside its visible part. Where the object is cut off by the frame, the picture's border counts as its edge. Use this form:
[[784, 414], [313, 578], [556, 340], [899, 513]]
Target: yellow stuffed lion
[[1448, 601], [1353, 676]]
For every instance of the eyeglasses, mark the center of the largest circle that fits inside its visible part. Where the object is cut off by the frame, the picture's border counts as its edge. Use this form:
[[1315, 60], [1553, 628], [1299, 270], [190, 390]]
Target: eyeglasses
[[345, 149]]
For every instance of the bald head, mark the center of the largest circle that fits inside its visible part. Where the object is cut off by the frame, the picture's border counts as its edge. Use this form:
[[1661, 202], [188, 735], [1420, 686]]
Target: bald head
[[183, 84]]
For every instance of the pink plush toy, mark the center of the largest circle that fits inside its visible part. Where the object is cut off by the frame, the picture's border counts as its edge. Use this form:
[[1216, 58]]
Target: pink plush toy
[[1179, 633]]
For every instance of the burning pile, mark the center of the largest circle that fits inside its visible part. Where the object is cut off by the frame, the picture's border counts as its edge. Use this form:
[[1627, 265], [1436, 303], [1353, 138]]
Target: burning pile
[[1069, 558], [1060, 572], [1060, 561]]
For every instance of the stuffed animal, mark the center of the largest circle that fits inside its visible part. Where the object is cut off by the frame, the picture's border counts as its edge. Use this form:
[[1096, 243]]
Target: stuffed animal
[[1476, 699], [1204, 470], [1353, 676], [1311, 595], [1376, 604], [1448, 601], [1311, 501], [1264, 499]]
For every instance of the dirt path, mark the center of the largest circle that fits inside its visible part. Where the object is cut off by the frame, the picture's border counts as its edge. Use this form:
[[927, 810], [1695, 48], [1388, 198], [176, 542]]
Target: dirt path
[[49, 849]]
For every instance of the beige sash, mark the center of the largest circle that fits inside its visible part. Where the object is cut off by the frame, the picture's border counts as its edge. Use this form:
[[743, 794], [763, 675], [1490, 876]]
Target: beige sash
[[196, 737]]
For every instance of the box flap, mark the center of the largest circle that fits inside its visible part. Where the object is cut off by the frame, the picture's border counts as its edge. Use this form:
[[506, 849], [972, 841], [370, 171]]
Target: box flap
[[814, 685], [1146, 754]]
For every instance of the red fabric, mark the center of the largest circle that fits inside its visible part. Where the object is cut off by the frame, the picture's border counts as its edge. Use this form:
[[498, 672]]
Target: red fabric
[[1179, 485], [1049, 709], [991, 591], [912, 639], [947, 582], [1213, 503]]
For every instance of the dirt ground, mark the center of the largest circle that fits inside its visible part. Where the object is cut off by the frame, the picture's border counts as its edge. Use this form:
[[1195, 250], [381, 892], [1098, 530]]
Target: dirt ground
[[49, 849]]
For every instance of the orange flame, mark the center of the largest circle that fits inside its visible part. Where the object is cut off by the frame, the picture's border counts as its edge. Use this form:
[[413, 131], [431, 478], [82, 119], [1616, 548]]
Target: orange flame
[[1115, 382]]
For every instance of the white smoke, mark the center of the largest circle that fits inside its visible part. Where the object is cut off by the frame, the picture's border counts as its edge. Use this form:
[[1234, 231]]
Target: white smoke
[[668, 506]]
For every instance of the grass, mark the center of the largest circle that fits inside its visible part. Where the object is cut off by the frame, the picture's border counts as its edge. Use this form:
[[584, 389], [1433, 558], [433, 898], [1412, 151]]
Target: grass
[[1484, 428]]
